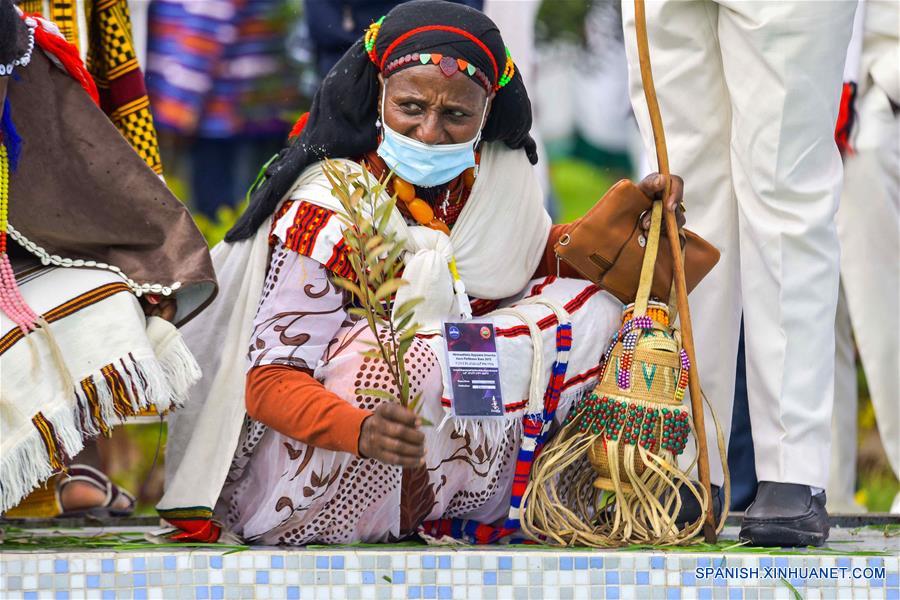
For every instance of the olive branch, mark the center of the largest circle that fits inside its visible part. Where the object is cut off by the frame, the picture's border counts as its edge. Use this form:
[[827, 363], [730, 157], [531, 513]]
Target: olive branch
[[376, 257]]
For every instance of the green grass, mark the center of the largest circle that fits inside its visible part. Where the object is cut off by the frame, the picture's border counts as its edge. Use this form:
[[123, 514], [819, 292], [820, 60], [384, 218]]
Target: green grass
[[578, 185]]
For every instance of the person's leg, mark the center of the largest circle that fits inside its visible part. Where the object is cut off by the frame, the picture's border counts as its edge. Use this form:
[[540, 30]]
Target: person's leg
[[842, 477], [783, 64], [693, 99]]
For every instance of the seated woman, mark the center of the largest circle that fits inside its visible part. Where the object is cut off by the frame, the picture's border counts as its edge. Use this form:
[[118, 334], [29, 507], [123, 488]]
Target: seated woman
[[431, 95]]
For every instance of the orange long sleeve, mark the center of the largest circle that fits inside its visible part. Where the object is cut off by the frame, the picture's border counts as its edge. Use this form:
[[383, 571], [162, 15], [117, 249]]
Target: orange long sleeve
[[293, 403]]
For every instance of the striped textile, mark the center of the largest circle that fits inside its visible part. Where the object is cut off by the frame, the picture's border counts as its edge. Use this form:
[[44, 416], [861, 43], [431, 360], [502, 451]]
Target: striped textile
[[536, 430]]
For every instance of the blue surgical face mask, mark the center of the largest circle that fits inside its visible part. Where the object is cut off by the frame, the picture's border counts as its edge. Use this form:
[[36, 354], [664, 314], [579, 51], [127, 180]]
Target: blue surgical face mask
[[426, 165]]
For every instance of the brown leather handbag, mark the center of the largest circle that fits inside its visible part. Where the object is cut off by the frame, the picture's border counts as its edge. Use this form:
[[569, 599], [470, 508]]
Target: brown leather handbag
[[606, 246]]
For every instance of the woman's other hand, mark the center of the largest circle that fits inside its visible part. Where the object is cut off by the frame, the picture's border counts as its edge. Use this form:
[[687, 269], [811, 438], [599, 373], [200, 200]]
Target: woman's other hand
[[654, 186], [155, 306], [392, 436]]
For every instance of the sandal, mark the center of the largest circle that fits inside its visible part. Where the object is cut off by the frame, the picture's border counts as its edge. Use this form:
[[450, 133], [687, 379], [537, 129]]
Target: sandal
[[92, 476]]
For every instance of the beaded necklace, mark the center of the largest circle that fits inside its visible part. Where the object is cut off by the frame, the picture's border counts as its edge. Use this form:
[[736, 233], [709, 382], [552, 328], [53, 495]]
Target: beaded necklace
[[11, 301]]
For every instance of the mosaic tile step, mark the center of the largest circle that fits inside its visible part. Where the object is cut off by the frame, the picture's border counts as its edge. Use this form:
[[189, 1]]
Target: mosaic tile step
[[403, 572]]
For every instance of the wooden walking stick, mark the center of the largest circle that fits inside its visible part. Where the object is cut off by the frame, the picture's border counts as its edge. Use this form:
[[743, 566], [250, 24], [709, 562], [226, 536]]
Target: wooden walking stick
[[687, 336]]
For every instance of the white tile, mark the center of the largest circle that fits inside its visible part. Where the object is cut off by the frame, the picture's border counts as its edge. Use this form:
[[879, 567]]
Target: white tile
[[231, 561], [473, 593], [29, 582], [642, 563], [246, 576], [94, 595], [262, 592], [76, 565], [45, 566], [813, 594], [123, 565], [368, 592], [551, 578], [490, 562], [154, 593], [76, 581], [782, 593], [582, 578], [29, 566], [278, 592], [520, 563], [414, 577], [338, 592], [688, 593], [292, 577], [262, 561], [657, 578], [216, 577], [10, 567], [352, 577], [458, 561], [584, 593], [626, 563], [183, 561], [246, 560], [276, 577], [627, 592], [672, 563], [443, 577], [474, 577], [673, 578], [520, 577], [397, 593], [458, 576], [398, 561]]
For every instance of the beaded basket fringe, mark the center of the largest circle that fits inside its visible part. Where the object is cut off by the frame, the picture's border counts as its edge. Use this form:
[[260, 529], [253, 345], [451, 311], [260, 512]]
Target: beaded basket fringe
[[610, 477]]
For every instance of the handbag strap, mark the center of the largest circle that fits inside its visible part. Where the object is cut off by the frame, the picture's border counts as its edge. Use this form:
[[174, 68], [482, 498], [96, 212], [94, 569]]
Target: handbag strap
[[659, 137]]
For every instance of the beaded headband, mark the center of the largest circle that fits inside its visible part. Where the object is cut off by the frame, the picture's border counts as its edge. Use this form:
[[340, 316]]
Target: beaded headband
[[448, 64]]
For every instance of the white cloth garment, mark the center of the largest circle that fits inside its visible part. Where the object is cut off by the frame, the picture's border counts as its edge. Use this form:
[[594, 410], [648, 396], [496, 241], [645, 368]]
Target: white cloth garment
[[868, 225], [503, 218], [749, 96]]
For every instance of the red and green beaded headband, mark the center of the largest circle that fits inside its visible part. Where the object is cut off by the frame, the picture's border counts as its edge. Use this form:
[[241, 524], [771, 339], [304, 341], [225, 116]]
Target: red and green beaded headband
[[448, 64]]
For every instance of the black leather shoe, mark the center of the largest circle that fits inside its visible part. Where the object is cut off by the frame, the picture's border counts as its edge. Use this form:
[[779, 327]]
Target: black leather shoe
[[690, 508], [785, 514]]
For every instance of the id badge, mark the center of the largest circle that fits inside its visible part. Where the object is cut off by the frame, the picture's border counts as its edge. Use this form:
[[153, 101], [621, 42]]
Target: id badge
[[474, 369]]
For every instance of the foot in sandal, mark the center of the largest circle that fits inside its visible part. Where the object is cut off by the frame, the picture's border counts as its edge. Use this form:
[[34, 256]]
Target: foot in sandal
[[88, 492]]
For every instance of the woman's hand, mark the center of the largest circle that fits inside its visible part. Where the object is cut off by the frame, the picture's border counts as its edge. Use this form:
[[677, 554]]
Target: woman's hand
[[392, 436], [654, 186], [154, 306]]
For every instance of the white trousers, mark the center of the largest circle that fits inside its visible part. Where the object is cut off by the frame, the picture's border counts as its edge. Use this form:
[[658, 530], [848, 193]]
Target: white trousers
[[868, 224], [749, 95]]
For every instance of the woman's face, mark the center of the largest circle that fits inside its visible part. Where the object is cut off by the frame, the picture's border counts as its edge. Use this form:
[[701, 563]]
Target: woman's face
[[424, 104]]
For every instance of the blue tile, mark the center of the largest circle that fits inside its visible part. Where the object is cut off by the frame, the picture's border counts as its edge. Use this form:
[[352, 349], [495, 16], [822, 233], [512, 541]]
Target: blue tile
[[893, 594], [876, 583], [215, 562], [429, 592], [107, 565], [612, 593], [140, 580], [399, 577], [169, 562], [445, 592], [368, 577], [321, 562], [262, 577], [719, 582], [505, 562], [597, 563], [140, 593], [60, 566], [490, 578], [337, 562], [61, 595], [201, 592], [581, 563], [217, 592], [429, 562], [705, 594], [109, 595], [657, 562], [735, 594], [565, 563], [93, 581], [765, 562], [444, 562], [642, 577], [688, 578], [414, 592], [139, 564], [31, 596], [703, 561], [673, 594], [293, 593], [612, 578], [277, 562], [782, 563], [876, 562], [798, 583], [841, 562], [893, 579]]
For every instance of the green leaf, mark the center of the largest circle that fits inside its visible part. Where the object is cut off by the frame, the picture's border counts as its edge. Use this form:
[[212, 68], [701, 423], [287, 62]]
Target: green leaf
[[388, 288], [348, 285], [384, 395], [406, 306]]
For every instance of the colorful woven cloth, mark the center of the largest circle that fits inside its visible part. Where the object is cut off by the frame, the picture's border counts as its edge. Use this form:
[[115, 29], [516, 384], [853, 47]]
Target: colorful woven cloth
[[220, 73], [112, 62]]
